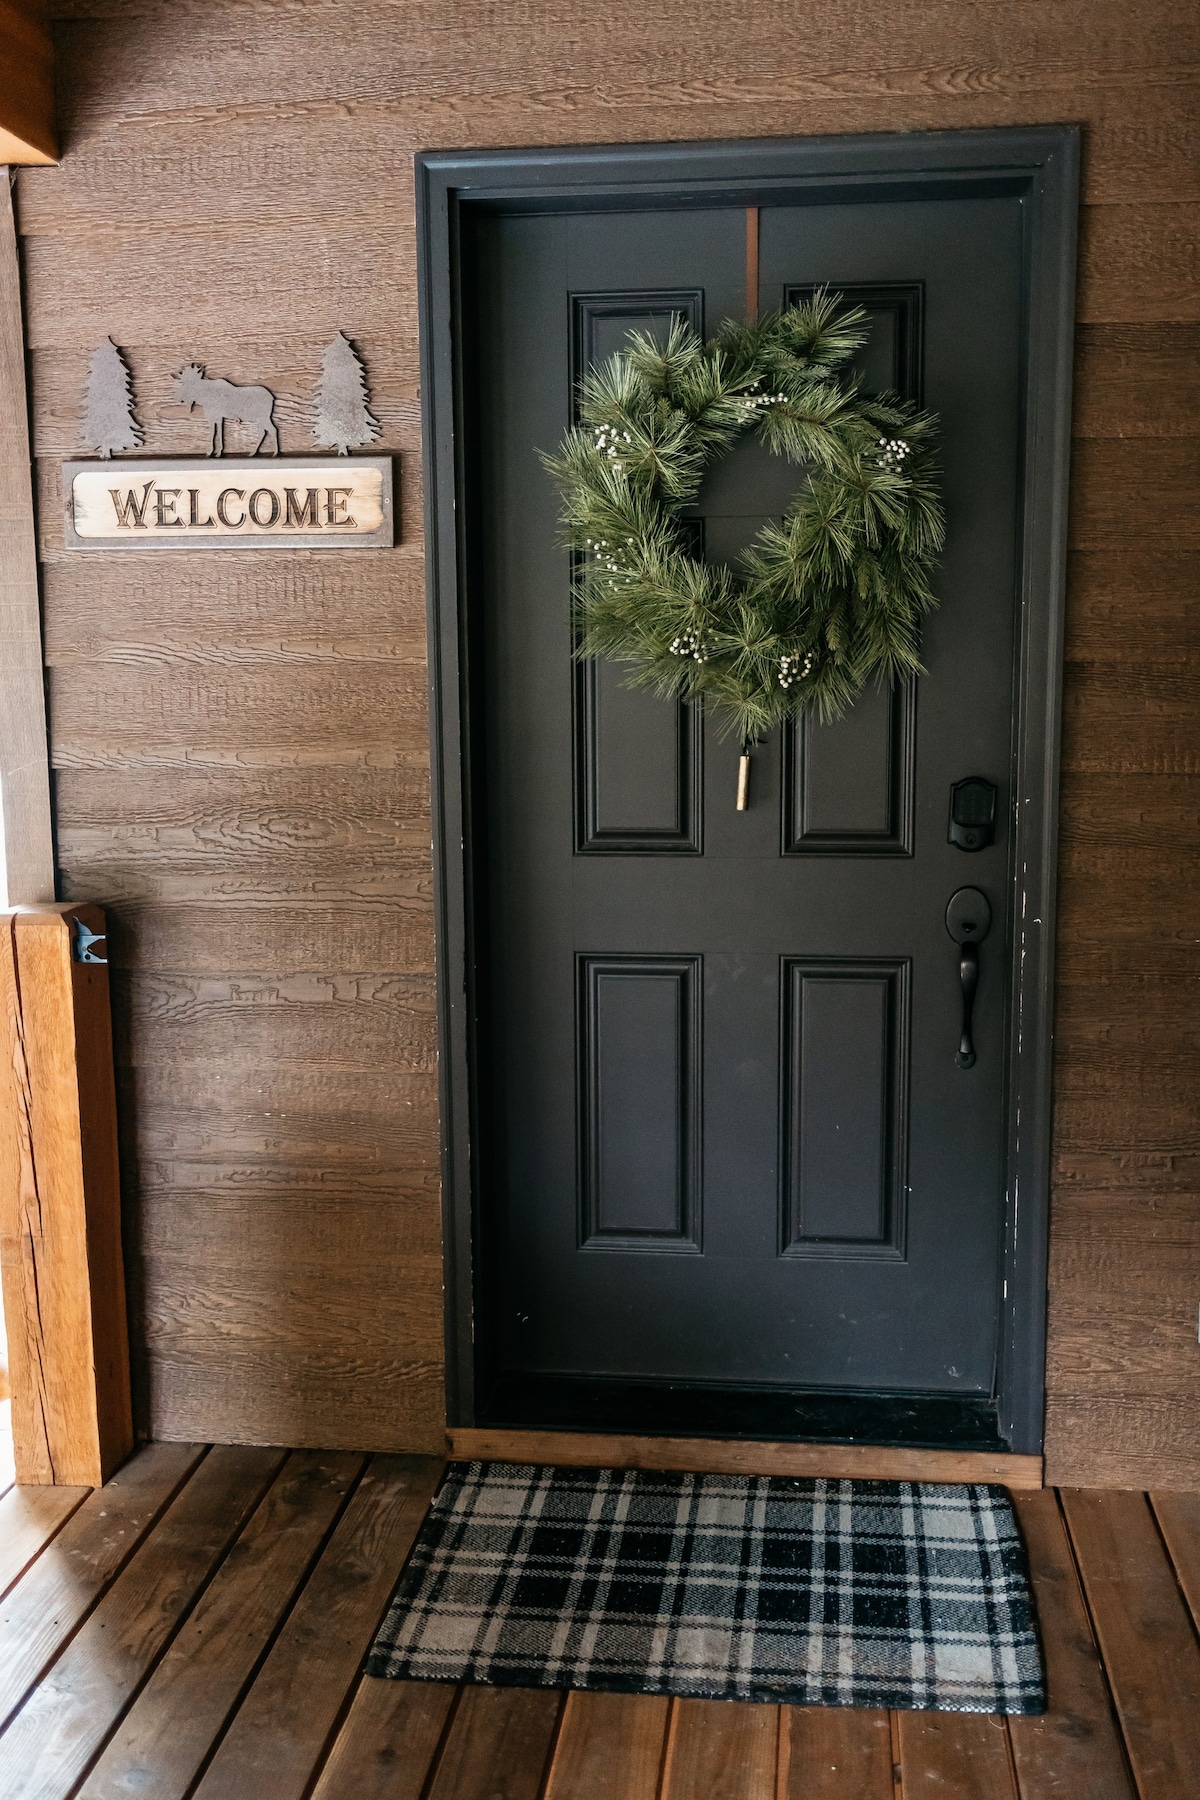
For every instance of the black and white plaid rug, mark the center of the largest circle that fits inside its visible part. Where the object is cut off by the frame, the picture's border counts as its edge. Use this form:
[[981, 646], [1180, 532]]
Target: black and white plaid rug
[[833, 1593]]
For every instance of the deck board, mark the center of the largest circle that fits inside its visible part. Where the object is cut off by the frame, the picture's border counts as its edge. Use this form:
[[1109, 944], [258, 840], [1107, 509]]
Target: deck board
[[165, 1738], [278, 1737], [499, 1744], [1178, 1517], [1146, 1637], [197, 1629], [59, 1591], [828, 1752], [388, 1741], [58, 1731], [1075, 1747], [718, 1750], [29, 1518], [964, 1754], [609, 1744]]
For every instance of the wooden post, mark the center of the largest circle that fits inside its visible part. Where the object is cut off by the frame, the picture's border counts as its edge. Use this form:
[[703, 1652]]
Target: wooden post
[[60, 1213], [26, 840], [27, 133]]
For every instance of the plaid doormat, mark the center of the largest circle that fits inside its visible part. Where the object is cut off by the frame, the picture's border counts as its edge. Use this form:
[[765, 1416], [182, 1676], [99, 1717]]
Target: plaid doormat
[[832, 1593]]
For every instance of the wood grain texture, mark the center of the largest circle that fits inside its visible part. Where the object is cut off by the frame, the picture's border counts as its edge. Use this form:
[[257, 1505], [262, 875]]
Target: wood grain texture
[[609, 1743], [387, 1742], [833, 1752], [307, 714], [1146, 1636], [59, 1591], [959, 1754], [742, 1457], [26, 844], [30, 1517], [1075, 1746], [166, 1735], [64, 1722], [1093, 1343], [414, 1740], [224, 1346], [60, 1205], [240, 752], [532, 82], [1113, 1437], [1136, 381], [719, 1751], [498, 1745], [1178, 1517], [278, 1737]]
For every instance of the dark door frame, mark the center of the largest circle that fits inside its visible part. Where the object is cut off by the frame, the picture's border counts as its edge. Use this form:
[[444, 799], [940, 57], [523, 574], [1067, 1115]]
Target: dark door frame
[[1040, 164]]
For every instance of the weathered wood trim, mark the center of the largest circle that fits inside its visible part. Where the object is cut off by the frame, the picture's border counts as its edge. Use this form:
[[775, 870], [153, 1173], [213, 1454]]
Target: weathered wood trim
[[742, 1456], [27, 133], [60, 1218], [26, 842]]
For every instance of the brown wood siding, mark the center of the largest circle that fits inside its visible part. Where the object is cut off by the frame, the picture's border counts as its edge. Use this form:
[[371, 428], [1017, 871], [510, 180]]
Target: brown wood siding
[[240, 741]]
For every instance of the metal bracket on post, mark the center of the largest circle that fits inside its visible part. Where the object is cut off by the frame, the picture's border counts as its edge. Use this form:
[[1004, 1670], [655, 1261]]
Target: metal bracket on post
[[82, 941]]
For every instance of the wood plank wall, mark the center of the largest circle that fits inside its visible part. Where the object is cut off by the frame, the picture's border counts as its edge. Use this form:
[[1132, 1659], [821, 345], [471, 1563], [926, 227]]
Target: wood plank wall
[[239, 743]]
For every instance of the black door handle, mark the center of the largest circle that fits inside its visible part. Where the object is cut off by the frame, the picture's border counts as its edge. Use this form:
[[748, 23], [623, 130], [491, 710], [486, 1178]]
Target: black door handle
[[968, 975], [968, 918]]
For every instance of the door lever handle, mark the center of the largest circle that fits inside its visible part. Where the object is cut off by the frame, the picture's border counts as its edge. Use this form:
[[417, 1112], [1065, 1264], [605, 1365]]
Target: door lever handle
[[968, 975], [968, 919]]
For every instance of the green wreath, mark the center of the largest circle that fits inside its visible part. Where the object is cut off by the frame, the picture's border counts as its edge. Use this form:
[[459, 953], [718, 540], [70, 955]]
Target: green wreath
[[822, 603]]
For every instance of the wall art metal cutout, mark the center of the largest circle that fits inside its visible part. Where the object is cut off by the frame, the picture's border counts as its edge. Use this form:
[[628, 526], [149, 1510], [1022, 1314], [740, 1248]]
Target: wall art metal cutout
[[342, 409], [108, 419], [179, 503], [220, 400]]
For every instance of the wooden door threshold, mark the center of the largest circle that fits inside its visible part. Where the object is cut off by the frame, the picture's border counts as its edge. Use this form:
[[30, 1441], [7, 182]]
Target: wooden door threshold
[[741, 1456]]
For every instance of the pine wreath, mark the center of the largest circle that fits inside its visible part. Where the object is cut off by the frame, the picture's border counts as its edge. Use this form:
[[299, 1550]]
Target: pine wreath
[[820, 604]]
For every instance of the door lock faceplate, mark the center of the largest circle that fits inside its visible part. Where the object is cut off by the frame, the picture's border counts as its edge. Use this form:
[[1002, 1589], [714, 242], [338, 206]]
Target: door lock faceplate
[[972, 813]]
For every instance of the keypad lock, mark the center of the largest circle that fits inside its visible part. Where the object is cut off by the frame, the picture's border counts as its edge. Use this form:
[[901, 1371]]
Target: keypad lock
[[972, 813]]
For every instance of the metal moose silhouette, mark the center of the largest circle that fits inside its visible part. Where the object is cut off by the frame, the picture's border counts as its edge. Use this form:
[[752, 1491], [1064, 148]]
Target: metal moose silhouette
[[221, 400]]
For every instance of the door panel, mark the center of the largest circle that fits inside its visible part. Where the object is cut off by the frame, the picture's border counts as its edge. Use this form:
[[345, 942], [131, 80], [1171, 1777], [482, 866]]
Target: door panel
[[849, 787], [845, 1107], [728, 1142], [639, 1102], [638, 765], [638, 760]]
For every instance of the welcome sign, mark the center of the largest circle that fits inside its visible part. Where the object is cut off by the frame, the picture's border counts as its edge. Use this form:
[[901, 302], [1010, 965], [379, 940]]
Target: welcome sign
[[335, 502]]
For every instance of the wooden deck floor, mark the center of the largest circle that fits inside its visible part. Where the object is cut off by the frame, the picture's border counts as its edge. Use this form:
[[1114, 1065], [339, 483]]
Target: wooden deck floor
[[196, 1628]]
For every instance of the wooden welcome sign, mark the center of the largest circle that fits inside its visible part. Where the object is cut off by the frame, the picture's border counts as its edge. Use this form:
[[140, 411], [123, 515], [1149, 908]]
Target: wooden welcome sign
[[329, 502]]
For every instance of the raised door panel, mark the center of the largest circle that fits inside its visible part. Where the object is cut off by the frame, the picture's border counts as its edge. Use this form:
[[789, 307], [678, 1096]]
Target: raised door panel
[[639, 1102], [848, 787], [844, 1107], [637, 759]]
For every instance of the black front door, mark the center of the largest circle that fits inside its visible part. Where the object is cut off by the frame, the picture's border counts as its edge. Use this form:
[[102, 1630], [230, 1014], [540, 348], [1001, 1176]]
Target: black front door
[[730, 1174]]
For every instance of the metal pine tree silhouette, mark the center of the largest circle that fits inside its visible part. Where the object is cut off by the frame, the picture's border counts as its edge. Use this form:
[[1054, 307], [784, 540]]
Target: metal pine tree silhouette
[[108, 421], [343, 415]]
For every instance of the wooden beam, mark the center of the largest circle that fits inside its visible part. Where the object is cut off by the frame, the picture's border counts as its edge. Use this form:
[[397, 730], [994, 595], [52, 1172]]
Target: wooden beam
[[26, 842], [27, 133], [742, 1456], [60, 1215]]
